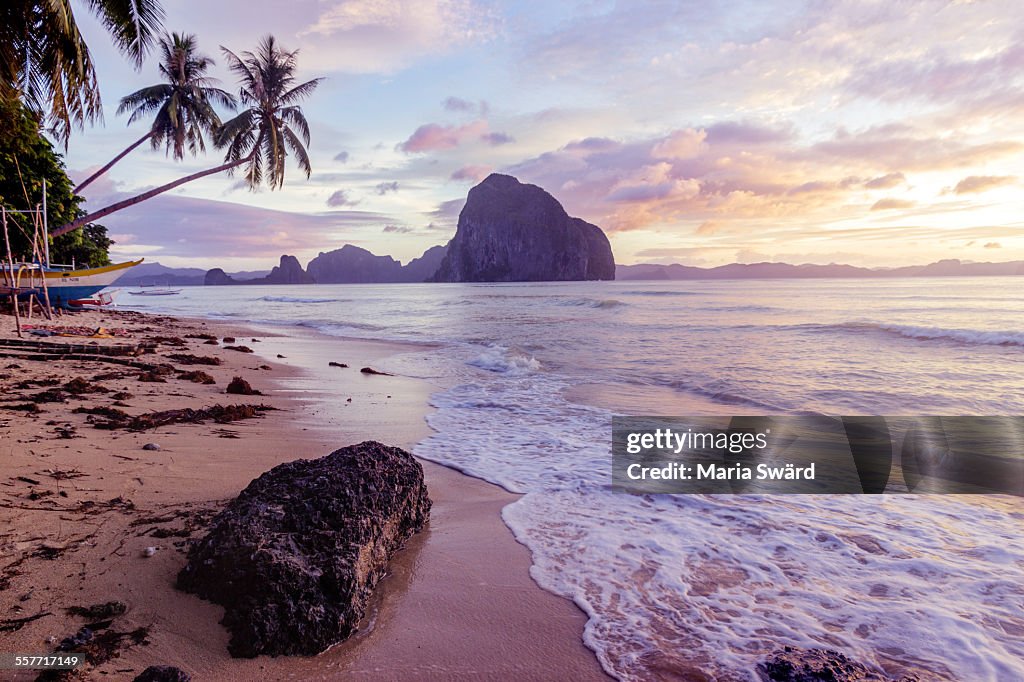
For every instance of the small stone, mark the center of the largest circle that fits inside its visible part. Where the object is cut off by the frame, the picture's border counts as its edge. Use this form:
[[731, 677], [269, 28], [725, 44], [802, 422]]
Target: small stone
[[229, 339], [149, 551], [151, 446], [281, 356], [163, 673], [240, 386]]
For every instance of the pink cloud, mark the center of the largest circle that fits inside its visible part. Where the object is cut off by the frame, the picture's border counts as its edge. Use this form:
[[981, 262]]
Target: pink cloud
[[982, 183], [471, 173], [436, 137], [891, 204]]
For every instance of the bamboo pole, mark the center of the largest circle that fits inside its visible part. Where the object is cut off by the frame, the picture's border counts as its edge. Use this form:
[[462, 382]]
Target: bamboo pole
[[10, 265]]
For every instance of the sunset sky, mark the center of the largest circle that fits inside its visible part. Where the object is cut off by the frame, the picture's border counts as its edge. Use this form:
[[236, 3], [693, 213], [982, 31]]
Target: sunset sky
[[871, 133]]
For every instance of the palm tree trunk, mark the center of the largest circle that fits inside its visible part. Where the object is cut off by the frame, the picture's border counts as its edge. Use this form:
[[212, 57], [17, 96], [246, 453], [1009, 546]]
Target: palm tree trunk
[[110, 165], [139, 198]]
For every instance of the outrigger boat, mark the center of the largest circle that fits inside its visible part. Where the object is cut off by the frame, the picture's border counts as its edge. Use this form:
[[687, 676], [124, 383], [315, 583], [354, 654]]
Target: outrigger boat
[[65, 284]]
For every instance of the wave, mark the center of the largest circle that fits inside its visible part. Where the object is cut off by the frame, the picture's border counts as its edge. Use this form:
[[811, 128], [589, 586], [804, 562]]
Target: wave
[[659, 293], [300, 299], [969, 337], [504, 360], [591, 302]]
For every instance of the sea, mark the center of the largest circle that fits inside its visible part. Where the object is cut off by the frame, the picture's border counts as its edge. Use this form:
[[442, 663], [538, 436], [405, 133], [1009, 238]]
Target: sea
[[528, 377]]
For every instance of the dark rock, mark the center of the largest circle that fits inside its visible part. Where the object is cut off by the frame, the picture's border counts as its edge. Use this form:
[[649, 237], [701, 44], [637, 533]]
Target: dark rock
[[513, 232], [423, 268], [294, 558], [163, 673], [352, 264], [792, 664], [99, 611], [229, 339], [151, 446], [337, 364], [189, 359], [217, 277], [240, 386], [371, 370], [288, 272], [240, 349], [197, 377]]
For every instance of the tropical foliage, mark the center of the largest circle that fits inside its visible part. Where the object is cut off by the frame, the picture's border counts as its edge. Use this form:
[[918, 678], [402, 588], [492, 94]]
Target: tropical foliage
[[260, 138], [46, 64], [183, 103], [26, 160]]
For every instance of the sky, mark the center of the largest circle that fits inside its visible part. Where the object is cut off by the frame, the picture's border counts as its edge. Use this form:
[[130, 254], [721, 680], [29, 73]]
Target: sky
[[876, 133]]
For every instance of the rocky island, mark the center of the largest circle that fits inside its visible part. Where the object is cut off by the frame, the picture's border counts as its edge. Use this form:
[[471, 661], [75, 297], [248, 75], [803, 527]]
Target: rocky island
[[514, 232]]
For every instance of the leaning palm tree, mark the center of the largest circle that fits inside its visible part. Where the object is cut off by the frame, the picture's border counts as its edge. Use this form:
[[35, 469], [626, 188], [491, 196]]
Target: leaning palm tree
[[258, 138], [45, 62], [183, 103]]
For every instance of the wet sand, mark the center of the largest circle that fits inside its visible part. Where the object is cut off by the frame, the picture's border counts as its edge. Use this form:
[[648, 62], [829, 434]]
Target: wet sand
[[459, 603]]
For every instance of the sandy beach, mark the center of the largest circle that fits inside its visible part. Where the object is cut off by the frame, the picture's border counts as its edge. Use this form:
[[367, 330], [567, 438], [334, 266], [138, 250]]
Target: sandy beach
[[81, 506]]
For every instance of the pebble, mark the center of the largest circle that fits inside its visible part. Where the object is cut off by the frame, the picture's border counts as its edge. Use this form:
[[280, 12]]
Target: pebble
[[151, 446], [149, 551]]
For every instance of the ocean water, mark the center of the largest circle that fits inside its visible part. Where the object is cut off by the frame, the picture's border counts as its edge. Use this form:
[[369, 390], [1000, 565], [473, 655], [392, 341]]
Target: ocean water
[[675, 587]]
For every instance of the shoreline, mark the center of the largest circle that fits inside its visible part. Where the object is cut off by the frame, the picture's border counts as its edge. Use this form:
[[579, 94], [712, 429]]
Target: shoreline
[[458, 601]]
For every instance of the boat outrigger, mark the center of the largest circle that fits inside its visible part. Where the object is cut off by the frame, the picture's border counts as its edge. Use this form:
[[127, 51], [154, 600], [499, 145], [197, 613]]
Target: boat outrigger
[[65, 284]]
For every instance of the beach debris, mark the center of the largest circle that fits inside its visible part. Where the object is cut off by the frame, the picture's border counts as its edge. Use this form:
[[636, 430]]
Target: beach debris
[[240, 386], [168, 340], [240, 349], [295, 557], [155, 447], [197, 377], [332, 363], [793, 664], [103, 611], [31, 408], [79, 386], [348, 400], [163, 673], [152, 378], [114, 418], [266, 367], [371, 370], [229, 339], [281, 356], [15, 624], [189, 359], [149, 552], [26, 479], [211, 342], [256, 341], [100, 648], [201, 335], [66, 432]]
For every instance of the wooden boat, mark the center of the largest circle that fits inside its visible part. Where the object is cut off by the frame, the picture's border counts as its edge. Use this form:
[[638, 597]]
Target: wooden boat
[[63, 283]]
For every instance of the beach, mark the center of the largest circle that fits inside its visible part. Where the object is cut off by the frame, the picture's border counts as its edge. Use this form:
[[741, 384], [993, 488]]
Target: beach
[[91, 517]]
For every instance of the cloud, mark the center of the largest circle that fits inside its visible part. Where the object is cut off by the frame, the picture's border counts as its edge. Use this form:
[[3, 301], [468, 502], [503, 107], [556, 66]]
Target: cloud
[[890, 204], [434, 136], [496, 139], [396, 229], [681, 144], [340, 199], [746, 133], [385, 187], [180, 226], [982, 183], [457, 104], [471, 173], [993, 245], [374, 36], [341, 157], [887, 181], [438, 137]]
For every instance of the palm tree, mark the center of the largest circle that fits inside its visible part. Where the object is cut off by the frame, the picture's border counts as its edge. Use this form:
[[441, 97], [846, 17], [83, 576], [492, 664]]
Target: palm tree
[[45, 62], [260, 137], [183, 103]]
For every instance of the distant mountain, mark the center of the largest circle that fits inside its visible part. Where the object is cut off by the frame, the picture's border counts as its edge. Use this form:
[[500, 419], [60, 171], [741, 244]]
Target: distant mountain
[[352, 265], [943, 268], [288, 271], [155, 273], [509, 231]]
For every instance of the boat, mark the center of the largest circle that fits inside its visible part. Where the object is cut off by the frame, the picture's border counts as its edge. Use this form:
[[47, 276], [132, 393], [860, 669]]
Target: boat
[[156, 292], [101, 299], [66, 284]]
